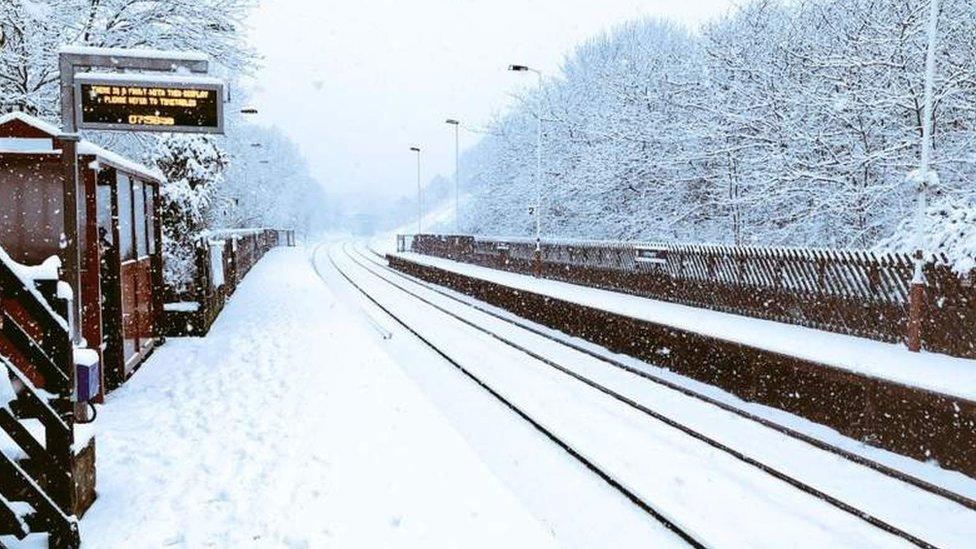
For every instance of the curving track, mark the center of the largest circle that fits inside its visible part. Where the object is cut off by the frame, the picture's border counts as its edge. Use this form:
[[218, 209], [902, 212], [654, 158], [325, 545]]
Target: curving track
[[379, 261], [377, 283], [644, 505]]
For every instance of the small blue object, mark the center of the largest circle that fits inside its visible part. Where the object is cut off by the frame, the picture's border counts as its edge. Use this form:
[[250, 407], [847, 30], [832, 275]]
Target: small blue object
[[88, 380]]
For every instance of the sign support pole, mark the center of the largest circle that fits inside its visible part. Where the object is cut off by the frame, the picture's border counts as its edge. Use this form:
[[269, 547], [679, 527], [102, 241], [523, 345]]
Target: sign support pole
[[70, 250]]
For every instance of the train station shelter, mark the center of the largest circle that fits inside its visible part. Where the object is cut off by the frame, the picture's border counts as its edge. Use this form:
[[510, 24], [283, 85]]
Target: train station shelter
[[119, 235]]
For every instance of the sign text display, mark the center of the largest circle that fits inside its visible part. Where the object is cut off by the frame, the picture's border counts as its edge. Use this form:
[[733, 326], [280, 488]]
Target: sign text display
[[152, 106]]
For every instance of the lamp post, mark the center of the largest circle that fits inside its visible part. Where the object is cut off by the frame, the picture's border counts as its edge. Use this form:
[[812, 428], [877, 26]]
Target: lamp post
[[538, 169], [457, 173], [420, 203], [916, 298]]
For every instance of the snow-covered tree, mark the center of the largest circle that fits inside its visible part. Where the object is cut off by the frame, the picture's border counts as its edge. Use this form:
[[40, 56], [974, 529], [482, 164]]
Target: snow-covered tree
[[34, 30], [268, 183], [949, 230], [785, 122], [194, 169]]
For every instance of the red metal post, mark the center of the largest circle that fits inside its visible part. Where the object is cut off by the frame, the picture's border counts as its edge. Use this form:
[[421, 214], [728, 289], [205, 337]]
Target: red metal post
[[537, 261], [916, 305], [916, 311]]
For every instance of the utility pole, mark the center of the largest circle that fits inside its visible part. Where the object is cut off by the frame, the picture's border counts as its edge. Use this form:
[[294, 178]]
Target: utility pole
[[457, 174], [916, 298], [420, 202]]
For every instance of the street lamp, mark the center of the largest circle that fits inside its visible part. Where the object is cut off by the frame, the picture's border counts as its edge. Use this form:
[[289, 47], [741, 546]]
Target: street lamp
[[916, 296], [457, 173], [420, 203], [538, 168]]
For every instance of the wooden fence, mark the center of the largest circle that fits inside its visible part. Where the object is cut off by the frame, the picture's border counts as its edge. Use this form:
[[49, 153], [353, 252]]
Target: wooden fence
[[858, 293], [223, 259]]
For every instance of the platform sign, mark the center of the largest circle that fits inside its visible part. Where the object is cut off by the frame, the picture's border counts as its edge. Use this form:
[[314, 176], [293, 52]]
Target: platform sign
[[155, 103]]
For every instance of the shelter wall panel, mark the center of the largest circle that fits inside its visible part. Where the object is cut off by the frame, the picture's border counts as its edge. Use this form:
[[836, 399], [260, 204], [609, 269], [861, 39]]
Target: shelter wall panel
[[144, 295], [31, 198], [130, 308]]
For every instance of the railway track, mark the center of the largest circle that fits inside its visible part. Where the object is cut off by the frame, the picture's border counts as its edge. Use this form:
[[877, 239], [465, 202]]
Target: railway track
[[922, 484], [641, 503], [375, 268]]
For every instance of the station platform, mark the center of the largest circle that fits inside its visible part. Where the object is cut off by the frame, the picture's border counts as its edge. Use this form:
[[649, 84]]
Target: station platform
[[938, 373], [289, 425]]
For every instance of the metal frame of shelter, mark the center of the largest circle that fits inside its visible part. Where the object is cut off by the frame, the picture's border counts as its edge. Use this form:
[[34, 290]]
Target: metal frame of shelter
[[70, 60]]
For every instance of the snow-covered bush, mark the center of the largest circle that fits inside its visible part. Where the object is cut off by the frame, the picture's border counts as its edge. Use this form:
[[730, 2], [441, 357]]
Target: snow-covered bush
[[949, 230], [194, 167]]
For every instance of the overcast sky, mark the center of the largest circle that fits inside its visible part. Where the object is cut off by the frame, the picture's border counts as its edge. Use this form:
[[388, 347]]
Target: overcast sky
[[357, 83]]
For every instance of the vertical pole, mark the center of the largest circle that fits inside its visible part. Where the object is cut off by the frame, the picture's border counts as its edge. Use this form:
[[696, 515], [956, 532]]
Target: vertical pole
[[538, 181], [70, 252], [916, 298], [420, 201], [60, 443], [457, 178]]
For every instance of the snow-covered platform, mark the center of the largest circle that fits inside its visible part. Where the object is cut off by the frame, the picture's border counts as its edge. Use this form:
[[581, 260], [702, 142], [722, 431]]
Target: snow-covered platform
[[288, 425], [934, 372], [918, 405]]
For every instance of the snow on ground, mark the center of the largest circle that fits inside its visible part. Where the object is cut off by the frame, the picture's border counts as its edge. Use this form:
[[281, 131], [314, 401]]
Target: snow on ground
[[288, 426], [929, 470], [931, 517], [940, 373], [579, 508], [720, 500]]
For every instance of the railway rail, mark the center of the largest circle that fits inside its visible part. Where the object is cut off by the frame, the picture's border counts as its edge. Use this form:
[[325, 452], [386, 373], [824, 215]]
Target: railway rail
[[820, 444], [644, 505], [370, 265]]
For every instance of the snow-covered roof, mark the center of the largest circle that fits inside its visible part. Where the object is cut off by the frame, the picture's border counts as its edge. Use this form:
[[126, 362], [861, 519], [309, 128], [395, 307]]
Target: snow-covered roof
[[103, 155], [120, 162], [127, 52], [31, 121], [185, 79]]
